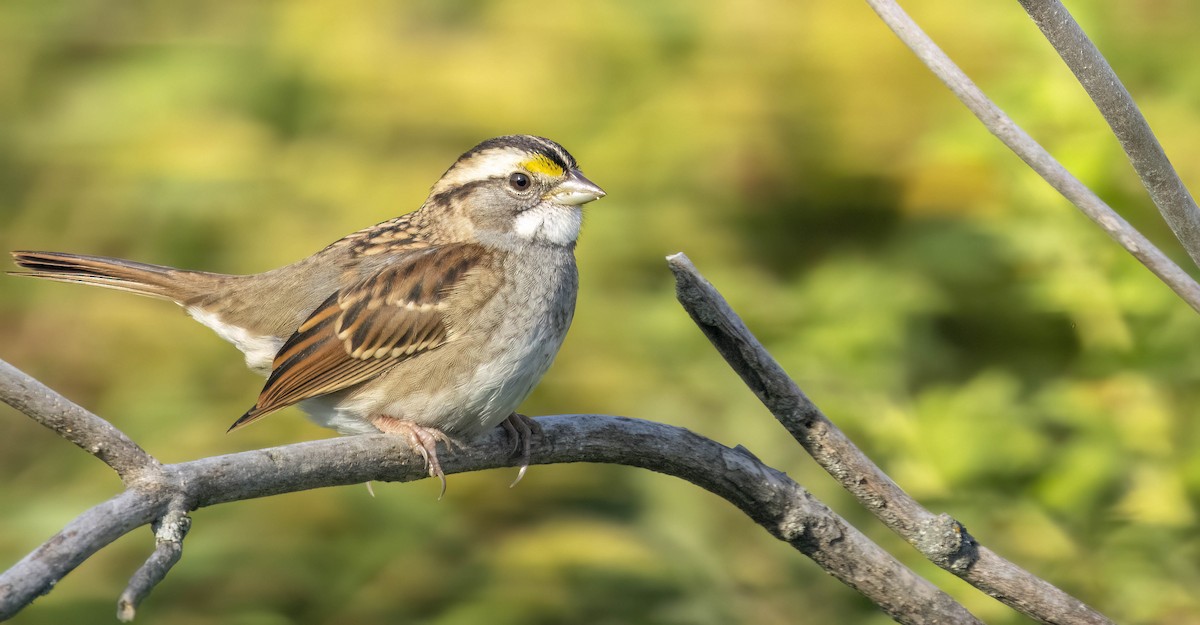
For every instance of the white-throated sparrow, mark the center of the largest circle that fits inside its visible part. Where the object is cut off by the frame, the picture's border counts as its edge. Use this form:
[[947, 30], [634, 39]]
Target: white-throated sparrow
[[434, 325]]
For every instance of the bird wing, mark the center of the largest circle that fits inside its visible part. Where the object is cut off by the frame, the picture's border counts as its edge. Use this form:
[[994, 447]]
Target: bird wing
[[369, 327]]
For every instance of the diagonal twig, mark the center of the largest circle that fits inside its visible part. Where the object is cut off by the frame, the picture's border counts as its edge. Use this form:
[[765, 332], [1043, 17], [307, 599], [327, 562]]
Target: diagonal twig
[[1034, 155], [940, 538], [1162, 182], [76, 424]]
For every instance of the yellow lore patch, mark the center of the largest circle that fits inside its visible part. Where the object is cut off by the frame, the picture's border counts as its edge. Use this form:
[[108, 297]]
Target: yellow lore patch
[[543, 165]]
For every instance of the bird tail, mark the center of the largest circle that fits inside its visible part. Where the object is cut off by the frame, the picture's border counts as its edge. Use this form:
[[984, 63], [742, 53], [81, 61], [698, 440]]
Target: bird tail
[[123, 275]]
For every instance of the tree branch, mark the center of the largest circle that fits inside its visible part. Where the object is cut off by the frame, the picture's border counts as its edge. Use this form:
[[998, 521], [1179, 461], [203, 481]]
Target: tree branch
[[939, 537], [1034, 155], [770, 498], [37, 573], [72, 422], [1172, 198]]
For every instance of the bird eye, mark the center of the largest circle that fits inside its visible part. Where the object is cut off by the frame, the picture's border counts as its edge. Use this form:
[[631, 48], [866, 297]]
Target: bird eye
[[518, 181]]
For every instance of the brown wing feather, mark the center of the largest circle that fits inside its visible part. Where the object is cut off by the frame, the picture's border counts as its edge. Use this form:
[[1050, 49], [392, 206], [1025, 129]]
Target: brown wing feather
[[367, 328]]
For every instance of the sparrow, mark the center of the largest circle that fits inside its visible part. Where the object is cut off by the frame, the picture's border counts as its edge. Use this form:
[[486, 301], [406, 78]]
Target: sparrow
[[434, 325]]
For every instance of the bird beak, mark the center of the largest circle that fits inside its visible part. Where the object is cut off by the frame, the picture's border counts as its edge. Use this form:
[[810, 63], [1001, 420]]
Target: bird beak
[[576, 190]]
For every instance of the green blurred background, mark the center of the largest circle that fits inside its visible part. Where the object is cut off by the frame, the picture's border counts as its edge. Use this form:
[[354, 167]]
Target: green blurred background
[[1001, 358]]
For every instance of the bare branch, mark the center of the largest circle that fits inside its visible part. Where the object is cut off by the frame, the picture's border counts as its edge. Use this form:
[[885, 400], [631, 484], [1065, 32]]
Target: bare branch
[[940, 538], [37, 573], [1123, 116], [168, 548], [1034, 155], [72, 422], [778, 504]]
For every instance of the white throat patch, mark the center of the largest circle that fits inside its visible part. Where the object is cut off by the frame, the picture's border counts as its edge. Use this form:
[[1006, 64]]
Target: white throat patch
[[550, 223]]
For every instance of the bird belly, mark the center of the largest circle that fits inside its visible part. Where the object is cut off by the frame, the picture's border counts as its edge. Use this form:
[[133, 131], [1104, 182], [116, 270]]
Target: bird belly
[[464, 388], [497, 387], [462, 402], [336, 413]]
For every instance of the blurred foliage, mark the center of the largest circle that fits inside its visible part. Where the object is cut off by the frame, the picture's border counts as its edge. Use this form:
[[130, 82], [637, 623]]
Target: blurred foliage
[[977, 336]]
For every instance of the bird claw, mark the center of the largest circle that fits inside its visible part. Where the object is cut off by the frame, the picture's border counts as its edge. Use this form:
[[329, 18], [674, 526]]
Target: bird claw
[[422, 439], [520, 430]]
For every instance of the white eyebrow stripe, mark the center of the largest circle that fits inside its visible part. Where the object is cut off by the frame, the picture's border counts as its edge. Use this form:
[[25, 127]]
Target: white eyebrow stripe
[[480, 166]]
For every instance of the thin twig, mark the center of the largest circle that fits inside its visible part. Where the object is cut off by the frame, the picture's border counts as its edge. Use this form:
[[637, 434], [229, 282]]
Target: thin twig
[[778, 504], [1034, 155], [940, 538], [169, 533], [76, 424], [1168, 192]]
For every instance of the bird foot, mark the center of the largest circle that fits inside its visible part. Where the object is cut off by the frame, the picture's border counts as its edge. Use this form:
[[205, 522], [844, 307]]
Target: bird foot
[[423, 439], [520, 430]]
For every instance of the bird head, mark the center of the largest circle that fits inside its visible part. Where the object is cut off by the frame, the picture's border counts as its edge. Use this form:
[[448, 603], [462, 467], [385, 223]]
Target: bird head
[[516, 190]]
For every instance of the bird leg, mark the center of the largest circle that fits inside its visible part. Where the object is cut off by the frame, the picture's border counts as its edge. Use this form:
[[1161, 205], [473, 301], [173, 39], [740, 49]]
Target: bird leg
[[423, 439], [520, 430]]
